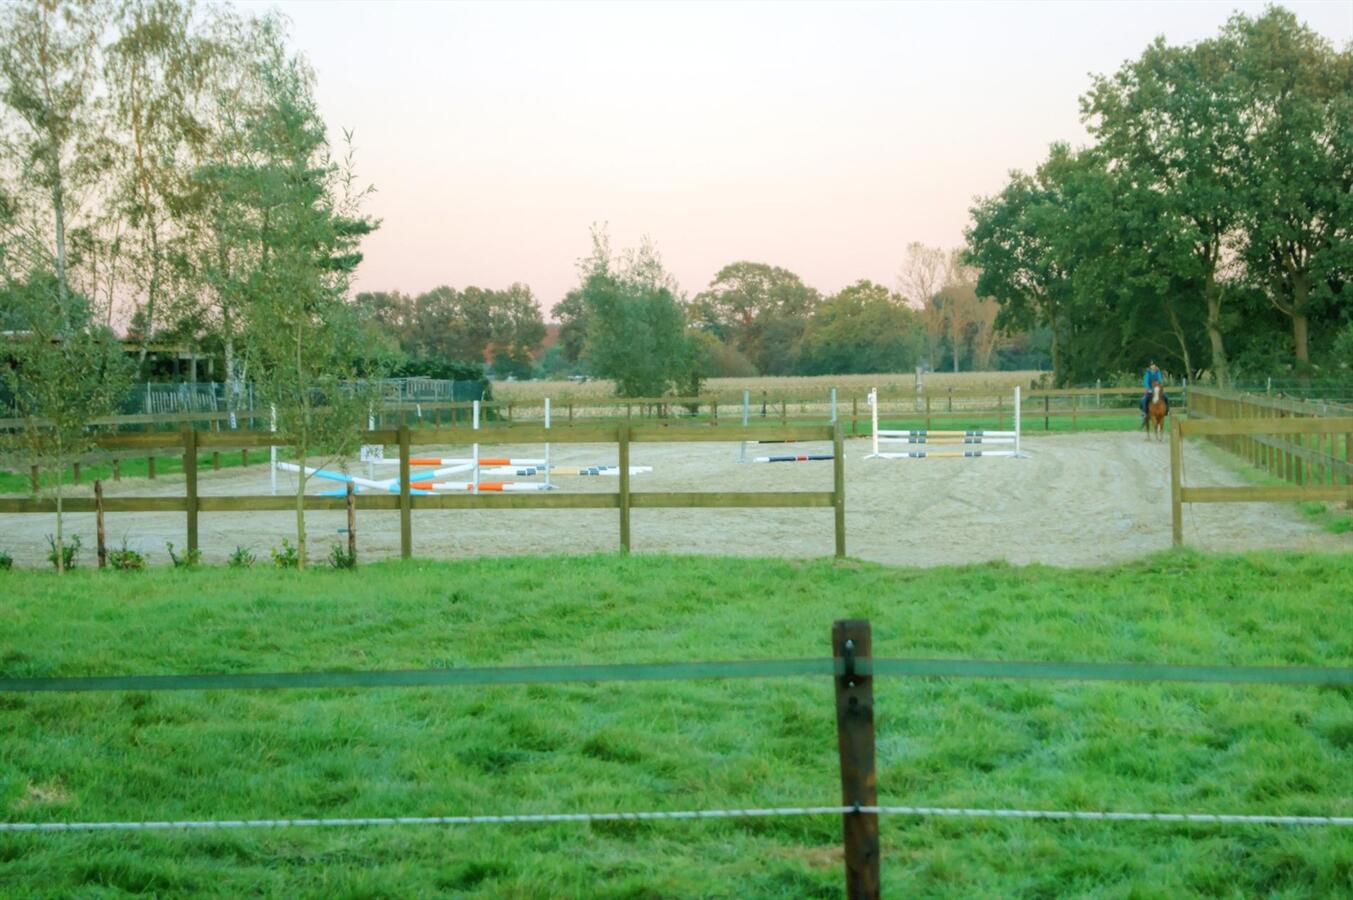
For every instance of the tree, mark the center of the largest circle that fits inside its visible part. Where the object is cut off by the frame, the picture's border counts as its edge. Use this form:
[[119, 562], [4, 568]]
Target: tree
[[760, 310], [300, 210], [637, 333], [156, 71], [862, 329], [1174, 124], [1296, 98], [52, 127], [1009, 244], [919, 280], [64, 371]]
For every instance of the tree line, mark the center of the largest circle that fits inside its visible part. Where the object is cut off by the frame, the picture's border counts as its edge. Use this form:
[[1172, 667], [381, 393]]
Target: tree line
[[1209, 224]]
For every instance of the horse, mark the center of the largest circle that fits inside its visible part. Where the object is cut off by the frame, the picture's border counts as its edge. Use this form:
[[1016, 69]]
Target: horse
[[1155, 413]]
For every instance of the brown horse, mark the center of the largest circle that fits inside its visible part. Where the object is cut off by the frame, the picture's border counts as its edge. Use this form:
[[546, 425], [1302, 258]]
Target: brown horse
[[1155, 413]]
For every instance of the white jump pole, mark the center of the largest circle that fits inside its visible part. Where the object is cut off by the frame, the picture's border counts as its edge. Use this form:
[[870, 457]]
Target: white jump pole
[[371, 426], [874, 417], [476, 448], [547, 445], [746, 410], [1017, 420], [272, 451], [833, 406]]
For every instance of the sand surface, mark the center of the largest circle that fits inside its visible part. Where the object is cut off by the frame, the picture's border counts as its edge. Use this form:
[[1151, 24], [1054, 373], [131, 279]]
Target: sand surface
[[1076, 500]]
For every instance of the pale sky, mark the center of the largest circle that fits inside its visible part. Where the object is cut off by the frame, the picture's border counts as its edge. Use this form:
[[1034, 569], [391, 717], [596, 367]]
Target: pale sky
[[818, 137]]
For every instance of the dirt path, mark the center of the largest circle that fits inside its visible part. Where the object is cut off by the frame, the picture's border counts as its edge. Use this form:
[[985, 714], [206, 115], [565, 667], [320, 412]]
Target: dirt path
[[1077, 500]]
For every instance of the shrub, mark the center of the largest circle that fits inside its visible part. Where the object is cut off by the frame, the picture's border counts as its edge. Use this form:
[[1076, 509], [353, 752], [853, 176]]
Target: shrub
[[288, 557], [70, 550], [242, 558], [340, 558], [126, 559], [185, 560], [6, 561]]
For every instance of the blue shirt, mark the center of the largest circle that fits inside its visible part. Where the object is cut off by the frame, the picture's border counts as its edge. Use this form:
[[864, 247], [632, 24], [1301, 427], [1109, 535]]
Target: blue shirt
[[1151, 378]]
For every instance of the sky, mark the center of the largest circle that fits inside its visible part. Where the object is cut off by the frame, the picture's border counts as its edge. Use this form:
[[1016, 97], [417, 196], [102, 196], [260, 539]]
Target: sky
[[822, 138]]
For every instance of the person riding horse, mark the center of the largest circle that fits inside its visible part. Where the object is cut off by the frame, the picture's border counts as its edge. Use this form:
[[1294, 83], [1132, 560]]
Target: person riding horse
[[1150, 380]]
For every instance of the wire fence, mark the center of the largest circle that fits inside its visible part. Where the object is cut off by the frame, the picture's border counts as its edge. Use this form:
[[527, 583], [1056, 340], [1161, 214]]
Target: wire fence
[[852, 667]]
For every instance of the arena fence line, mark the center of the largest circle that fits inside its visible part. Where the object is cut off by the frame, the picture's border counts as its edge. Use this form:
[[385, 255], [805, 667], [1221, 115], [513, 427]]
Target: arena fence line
[[852, 668], [191, 443], [1292, 441]]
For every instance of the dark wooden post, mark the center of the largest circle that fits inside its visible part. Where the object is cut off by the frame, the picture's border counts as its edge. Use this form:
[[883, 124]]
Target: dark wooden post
[[624, 440], [100, 535], [927, 412], [851, 643], [1047, 401], [854, 416], [117, 469], [150, 467], [405, 499], [33, 479], [190, 477], [75, 470], [352, 525], [839, 487], [244, 457], [216, 460]]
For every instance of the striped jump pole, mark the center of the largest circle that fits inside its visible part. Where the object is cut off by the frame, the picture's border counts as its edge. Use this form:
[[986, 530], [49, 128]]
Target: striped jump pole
[[547, 444], [476, 447], [746, 409], [803, 457], [974, 442]]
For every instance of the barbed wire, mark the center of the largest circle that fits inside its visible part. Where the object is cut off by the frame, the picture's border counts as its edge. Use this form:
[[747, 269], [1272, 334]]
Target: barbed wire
[[660, 815]]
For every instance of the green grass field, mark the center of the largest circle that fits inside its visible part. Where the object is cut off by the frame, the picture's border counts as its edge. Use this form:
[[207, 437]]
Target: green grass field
[[678, 745]]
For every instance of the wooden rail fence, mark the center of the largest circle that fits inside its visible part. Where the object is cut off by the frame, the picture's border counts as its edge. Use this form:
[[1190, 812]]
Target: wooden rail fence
[[1312, 454], [191, 443]]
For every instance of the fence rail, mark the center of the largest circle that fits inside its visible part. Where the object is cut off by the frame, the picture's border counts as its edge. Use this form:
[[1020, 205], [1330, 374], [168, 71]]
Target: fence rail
[[1289, 440], [190, 443], [852, 668]]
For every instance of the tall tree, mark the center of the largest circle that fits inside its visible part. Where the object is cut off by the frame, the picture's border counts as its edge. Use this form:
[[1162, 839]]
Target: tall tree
[[1172, 121], [759, 309], [301, 210], [863, 328], [52, 129], [1296, 94]]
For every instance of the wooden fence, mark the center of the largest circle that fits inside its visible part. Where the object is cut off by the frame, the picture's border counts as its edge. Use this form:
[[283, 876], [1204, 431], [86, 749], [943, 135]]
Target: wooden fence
[[1289, 440], [192, 443]]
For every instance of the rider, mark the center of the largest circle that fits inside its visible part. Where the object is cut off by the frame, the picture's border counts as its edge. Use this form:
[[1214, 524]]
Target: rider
[[1152, 378]]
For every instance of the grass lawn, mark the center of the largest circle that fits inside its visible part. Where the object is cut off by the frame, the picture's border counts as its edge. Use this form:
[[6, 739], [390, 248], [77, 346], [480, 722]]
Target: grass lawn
[[678, 745]]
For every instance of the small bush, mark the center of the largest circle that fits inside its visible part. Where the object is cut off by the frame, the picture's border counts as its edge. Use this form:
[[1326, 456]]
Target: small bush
[[126, 559], [242, 558], [185, 560], [70, 551], [6, 561], [340, 558], [288, 557]]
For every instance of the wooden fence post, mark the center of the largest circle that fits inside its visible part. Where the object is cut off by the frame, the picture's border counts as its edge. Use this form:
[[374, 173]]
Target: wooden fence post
[[1047, 402], [624, 440], [352, 526], [33, 479], [150, 467], [100, 535], [75, 471], [117, 469], [839, 488], [851, 642], [1176, 475], [405, 499], [190, 478]]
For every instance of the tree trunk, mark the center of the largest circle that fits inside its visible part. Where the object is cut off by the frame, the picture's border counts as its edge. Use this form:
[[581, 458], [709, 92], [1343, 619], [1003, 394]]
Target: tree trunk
[[59, 212], [1301, 293], [60, 533], [300, 508], [1220, 368]]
